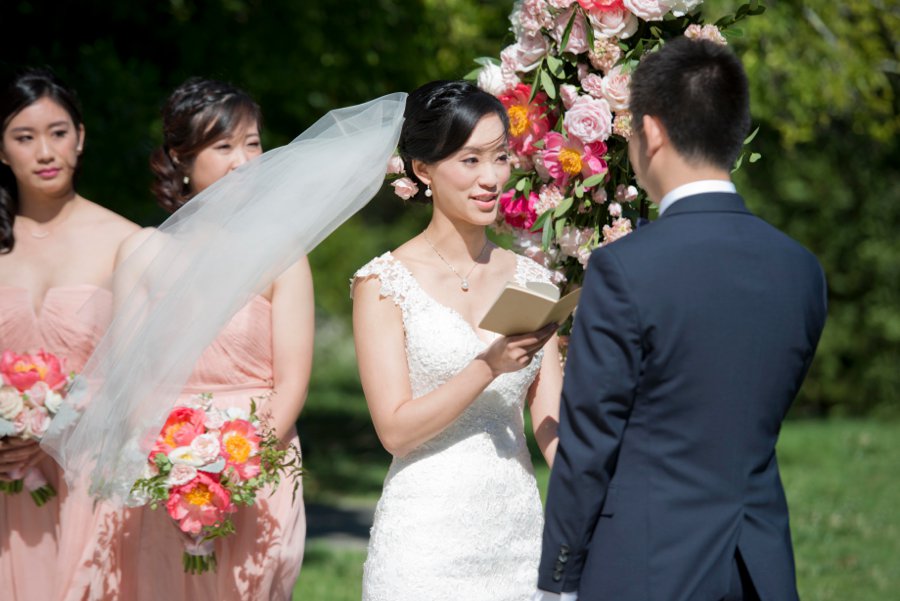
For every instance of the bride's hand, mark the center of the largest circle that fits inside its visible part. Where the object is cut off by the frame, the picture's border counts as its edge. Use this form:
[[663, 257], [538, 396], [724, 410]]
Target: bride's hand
[[512, 353]]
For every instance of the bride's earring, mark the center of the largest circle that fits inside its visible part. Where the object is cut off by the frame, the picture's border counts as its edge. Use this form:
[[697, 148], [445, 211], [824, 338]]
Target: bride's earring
[[428, 190], [186, 180]]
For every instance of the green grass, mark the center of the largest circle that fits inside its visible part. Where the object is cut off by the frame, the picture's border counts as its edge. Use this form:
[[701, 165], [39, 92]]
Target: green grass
[[330, 574]]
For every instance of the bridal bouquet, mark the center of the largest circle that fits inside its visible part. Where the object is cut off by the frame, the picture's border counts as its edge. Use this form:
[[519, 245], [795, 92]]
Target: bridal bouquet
[[204, 463], [33, 387], [565, 85]]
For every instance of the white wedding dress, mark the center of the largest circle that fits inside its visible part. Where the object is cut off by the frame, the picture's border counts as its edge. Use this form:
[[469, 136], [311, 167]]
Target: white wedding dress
[[460, 517]]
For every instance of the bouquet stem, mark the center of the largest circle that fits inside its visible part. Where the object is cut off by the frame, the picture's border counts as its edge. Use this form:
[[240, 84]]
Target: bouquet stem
[[12, 487], [199, 557]]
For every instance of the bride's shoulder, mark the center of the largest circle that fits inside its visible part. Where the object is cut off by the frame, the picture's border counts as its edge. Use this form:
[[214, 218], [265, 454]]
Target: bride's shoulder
[[530, 270], [384, 272]]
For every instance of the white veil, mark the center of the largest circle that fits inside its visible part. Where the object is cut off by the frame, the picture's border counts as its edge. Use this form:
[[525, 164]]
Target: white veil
[[181, 286]]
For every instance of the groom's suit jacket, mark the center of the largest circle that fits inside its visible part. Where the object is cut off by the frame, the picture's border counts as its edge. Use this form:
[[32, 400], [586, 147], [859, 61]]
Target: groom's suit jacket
[[691, 340]]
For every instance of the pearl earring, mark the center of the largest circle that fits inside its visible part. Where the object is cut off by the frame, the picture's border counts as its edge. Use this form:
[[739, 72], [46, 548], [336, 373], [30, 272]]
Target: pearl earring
[[428, 190], [186, 180]]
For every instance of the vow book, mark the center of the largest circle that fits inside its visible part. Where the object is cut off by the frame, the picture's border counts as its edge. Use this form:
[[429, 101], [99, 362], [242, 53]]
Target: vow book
[[522, 309]]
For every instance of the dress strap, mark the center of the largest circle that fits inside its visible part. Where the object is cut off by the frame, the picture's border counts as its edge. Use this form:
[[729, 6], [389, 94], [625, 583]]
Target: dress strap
[[529, 270], [396, 281]]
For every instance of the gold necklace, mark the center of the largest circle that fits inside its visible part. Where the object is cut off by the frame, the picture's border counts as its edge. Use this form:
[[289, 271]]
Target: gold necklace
[[463, 280]]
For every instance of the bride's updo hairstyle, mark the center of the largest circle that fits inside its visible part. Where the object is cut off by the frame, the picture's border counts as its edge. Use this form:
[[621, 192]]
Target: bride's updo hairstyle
[[26, 88], [198, 113], [439, 118]]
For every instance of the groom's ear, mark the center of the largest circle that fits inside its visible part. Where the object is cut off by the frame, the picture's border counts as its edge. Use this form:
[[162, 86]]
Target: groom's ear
[[421, 171], [655, 135]]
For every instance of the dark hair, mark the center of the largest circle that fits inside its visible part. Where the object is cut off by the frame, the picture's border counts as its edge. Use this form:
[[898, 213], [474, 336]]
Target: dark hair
[[27, 87], [439, 118], [699, 91], [198, 113]]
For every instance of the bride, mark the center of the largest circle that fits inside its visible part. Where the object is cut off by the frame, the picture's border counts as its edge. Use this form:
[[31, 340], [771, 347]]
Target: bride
[[460, 516]]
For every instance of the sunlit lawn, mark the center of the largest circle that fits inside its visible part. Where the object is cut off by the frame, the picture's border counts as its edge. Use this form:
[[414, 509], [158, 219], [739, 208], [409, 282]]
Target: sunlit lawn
[[842, 479]]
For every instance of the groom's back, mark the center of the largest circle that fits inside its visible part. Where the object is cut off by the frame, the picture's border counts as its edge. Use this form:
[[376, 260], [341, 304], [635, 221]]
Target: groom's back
[[730, 311]]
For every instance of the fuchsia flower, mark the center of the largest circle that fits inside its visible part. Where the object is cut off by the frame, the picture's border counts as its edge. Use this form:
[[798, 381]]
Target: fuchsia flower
[[528, 121], [519, 211], [568, 157], [201, 502], [24, 371], [240, 447], [601, 5]]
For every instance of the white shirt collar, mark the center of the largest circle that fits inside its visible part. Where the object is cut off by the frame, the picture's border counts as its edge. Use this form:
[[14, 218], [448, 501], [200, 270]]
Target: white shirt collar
[[699, 187]]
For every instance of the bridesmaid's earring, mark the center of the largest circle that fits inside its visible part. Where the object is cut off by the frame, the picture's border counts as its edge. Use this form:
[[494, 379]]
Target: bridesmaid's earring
[[428, 190]]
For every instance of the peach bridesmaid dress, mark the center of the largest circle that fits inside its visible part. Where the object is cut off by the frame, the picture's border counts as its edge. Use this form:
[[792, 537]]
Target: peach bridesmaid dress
[[34, 553], [261, 560]]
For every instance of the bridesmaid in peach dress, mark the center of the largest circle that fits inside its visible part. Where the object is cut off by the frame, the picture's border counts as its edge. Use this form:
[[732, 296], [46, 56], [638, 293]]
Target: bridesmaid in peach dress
[[57, 252], [265, 352]]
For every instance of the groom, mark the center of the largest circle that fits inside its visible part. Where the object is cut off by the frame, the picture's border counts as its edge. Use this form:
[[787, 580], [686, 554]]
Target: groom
[[691, 340]]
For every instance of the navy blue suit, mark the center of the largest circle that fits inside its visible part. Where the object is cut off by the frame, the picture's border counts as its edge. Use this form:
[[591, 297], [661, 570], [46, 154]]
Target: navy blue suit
[[691, 340]]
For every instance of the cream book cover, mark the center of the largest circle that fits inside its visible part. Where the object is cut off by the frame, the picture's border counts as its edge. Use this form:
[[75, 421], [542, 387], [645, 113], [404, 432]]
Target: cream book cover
[[522, 309]]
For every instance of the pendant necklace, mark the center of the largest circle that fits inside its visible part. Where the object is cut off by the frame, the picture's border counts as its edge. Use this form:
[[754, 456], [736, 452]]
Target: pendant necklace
[[463, 280]]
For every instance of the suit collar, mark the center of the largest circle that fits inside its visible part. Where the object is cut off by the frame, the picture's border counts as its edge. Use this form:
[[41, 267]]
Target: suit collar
[[721, 202]]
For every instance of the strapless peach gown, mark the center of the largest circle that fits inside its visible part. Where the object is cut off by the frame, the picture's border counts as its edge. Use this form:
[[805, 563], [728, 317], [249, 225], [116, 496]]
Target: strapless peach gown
[[32, 549], [261, 560]]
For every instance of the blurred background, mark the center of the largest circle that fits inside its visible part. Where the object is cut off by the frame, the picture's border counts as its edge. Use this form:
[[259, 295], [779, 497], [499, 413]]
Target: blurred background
[[825, 80]]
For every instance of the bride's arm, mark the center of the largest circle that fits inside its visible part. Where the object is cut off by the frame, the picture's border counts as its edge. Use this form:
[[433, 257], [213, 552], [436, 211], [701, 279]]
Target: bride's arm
[[293, 327], [402, 422], [543, 401]]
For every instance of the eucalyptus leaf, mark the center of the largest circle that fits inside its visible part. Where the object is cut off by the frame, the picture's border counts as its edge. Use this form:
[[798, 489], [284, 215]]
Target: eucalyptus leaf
[[593, 180], [564, 206]]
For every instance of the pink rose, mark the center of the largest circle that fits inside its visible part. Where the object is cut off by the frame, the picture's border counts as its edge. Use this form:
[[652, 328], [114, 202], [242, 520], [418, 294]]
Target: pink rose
[[605, 54], [561, 3], [578, 40], [518, 211], [526, 54], [616, 88], [565, 158], [37, 393], [593, 85], [23, 371], [405, 188], [616, 23], [589, 120], [181, 474], [626, 193], [201, 502], [649, 10], [206, 448], [599, 195], [600, 6], [576, 242], [532, 16], [395, 165], [615, 209], [568, 94], [33, 422]]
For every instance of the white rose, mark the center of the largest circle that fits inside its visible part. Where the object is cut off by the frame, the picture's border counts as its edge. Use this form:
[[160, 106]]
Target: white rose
[[181, 474], [613, 24], [206, 448], [491, 80], [11, 403], [649, 10], [615, 209], [184, 456], [683, 7], [237, 413], [215, 419], [52, 402], [616, 88]]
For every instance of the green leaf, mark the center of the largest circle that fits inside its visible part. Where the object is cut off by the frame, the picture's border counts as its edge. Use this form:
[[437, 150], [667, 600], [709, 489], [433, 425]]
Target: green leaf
[[520, 185], [541, 221], [595, 179], [751, 136], [556, 66], [546, 236], [472, 75], [568, 31], [547, 84], [484, 61], [560, 224], [564, 206], [755, 156]]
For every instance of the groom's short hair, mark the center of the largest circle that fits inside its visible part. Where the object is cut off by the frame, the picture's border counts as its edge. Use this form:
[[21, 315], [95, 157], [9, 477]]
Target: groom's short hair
[[698, 90]]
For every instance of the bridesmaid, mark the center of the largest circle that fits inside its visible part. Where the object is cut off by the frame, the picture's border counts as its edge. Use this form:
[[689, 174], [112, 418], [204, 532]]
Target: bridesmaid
[[210, 128], [57, 252]]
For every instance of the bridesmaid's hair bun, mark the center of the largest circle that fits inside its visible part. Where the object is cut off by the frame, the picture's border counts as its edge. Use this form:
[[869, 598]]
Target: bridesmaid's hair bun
[[439, 118], [24, 89], [196, 115]]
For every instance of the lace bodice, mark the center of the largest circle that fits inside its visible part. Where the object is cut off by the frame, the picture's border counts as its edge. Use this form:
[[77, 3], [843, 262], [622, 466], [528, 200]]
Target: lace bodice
[[460, 516]]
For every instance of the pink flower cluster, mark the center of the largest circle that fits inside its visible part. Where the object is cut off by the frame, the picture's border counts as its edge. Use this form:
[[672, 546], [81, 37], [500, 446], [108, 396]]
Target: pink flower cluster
[[32, 392]]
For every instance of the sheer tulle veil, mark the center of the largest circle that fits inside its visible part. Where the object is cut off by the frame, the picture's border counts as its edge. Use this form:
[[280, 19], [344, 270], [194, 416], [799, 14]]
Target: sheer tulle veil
[[180, 287]]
